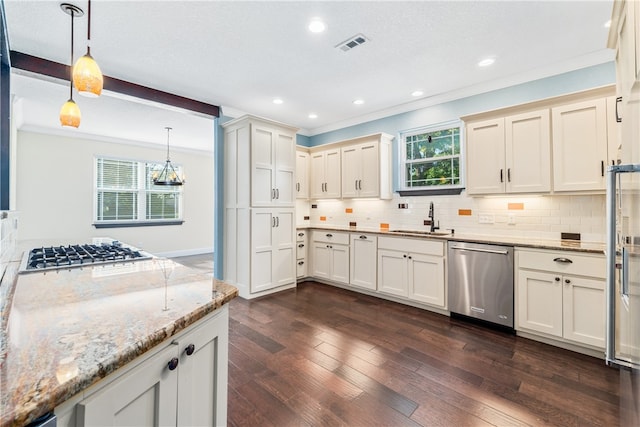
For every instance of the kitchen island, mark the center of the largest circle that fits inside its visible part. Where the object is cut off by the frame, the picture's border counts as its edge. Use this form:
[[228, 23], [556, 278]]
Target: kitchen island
[[64, 331]]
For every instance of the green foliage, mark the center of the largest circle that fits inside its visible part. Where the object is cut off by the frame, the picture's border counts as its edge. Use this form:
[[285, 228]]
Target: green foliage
[[433, 158]]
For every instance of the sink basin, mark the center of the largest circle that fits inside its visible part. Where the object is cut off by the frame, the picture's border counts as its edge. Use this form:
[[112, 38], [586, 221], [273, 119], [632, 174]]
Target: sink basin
[[425, 233]]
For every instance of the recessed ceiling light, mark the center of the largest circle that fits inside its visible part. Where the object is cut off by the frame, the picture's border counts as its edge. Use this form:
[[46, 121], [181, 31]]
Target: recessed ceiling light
[[607, 24], [317, 26], [277, 101], [313, 116], [358, 102], [417, 93], [486, 62]]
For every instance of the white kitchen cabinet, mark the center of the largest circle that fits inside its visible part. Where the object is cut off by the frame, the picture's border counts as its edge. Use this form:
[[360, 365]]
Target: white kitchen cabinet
[[325, 174], [510, 154], [363, 259], [273, 252], [182, 383], [302, 174], [330, 256], [301, 254], [259, 227], [412, 269], [366, 167], [580, 151], [613, 132], [561, 294]]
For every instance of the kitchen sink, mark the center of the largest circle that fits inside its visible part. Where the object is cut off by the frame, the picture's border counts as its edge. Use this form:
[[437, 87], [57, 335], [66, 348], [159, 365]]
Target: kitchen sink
[[425, 233]]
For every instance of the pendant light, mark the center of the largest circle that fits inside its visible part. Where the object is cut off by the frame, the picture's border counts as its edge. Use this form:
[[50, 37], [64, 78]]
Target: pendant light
[[87, 77], [70, 112], [168, 175]]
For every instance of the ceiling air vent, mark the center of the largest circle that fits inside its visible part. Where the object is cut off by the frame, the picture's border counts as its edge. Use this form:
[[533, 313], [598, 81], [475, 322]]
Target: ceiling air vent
[[352, 42]]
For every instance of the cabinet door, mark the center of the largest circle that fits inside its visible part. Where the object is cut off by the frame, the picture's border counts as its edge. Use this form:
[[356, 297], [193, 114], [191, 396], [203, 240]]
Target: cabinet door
[[351, 165], [363, 258], [263, 141], [486, 157], [426, 279], [145, 396], [340, 263], [539, 302], [584, 310], [392, 272], [263, 245], [613, 130], [332, 174], [579, 146], [302, 175], [202, 379], [528, 152], [284, 169], [369, 181], [321, 261], [317, 184], [284, 270]]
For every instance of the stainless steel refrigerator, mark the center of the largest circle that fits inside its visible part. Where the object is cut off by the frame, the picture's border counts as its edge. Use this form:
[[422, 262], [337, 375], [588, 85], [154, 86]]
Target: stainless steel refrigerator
[[623, 285]]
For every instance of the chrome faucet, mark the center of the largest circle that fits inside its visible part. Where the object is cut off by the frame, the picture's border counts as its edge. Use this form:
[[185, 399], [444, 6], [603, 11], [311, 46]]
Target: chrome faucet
[[432, 221]]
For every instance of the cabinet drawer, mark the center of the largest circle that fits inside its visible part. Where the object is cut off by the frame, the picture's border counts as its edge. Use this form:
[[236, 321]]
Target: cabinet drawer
[[301, 268], [330, 237], [580, 265], [422, 246], [301, 250], [300, 235]]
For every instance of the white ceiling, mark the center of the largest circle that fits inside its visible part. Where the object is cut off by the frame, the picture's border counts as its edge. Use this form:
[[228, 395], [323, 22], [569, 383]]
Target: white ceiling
[[240, 55]]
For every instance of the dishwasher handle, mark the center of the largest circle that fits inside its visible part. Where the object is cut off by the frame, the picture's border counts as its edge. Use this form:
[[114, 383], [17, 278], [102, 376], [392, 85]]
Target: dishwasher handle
[[489, 251]]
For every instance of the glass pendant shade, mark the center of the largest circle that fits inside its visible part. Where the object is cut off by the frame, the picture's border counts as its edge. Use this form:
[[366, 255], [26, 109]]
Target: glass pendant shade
[[87, 77], [70, 114]]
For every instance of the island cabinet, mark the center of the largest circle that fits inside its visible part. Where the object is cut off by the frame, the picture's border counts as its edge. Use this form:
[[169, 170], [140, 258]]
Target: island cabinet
[[509, 154], [561, 295], [183, 383], [412, 269], [366, 167], [363, 260], [325, 174], [259, 199], [330, 256]]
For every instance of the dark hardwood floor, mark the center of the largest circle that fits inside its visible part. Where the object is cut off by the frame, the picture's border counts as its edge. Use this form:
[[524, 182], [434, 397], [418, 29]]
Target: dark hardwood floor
[[324, 356]]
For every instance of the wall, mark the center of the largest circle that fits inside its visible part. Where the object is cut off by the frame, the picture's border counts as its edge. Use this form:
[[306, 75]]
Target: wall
[[530, 216], [54, 194]]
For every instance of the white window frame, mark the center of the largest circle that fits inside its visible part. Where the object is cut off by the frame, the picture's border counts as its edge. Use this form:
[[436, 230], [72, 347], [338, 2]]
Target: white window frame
[[402, 157], [141, 191]]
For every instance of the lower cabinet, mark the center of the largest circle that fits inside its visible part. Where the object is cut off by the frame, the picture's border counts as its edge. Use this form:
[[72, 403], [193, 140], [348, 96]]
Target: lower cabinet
[[363, 258], [184, 383], [413, 269], [330, 256], [562, 295], [301, 254]]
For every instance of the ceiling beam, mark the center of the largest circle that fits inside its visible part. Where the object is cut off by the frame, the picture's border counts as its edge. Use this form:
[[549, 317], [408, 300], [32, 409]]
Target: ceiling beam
[[56, 70]]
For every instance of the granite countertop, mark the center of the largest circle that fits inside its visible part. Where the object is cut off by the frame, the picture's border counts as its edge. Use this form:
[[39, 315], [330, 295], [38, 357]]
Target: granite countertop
[[67, 329], [523, 242]]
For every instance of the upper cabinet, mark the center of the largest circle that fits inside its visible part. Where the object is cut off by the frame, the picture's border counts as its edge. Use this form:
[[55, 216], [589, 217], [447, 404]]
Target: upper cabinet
[[580, 146], [561, 144], [509, 155], [359, 167], [624, 37], [366, 168], [302, 174], [325, 174], [259, 163]]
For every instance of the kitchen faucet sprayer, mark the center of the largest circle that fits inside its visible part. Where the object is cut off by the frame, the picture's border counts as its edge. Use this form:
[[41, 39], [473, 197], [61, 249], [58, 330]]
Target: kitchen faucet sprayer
[[432, 221]]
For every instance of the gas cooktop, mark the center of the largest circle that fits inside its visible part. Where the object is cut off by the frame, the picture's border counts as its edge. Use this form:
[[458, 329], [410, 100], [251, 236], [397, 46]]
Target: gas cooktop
[[82, 255]]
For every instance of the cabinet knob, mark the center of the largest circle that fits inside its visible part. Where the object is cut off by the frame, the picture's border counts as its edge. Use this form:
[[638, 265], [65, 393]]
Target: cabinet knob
[[329, 235], [557, 279], [300, 234], [190, 349], [363, 237], [567, 281], [300, 262], [173, 364], [409, 256], [301, 245], [404, 256]]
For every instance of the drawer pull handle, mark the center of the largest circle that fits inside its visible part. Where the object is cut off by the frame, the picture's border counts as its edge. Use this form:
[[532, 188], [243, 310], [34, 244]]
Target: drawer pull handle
[[300, 234], [301, 245], [300, 262], [363, 237], [329, 235], [563, 260]]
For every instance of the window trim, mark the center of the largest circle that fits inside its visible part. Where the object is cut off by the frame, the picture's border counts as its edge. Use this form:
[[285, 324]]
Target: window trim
[[141, 191], [403, 190]]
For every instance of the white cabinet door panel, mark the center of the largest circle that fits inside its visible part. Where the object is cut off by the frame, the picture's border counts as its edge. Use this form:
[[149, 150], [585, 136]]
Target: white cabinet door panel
[[332, 175], [426, 279], [540, 302], [392, 273], [263, 164], [584, 310], [363, 258], [486, 157], [340, 263], [369, 182], [351, 171]]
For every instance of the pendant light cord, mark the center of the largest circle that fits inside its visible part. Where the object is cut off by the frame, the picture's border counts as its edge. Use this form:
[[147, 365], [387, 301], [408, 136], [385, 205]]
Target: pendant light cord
[[168, 129], [71, 79], [89, 29]]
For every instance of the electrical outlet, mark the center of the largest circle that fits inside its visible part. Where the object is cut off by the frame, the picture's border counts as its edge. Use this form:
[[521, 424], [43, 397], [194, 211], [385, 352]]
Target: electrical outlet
[[512, 219], [486, 218]]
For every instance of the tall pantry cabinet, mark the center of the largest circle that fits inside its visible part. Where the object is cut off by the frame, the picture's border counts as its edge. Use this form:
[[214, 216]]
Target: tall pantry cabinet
[[259, 196]]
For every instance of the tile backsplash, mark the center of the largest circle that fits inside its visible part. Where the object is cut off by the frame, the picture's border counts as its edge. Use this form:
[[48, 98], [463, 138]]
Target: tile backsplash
[[8, 235], [542, 217]]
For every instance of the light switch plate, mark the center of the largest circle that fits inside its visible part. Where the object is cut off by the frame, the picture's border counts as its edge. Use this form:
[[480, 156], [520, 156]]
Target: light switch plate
[[486, 218]]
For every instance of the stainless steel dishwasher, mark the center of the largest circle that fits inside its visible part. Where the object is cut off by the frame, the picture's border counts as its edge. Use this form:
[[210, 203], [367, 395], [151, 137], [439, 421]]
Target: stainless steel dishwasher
[[481, 281]]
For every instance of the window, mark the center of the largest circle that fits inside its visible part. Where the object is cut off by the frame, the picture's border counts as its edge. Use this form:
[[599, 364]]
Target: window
[[125, 194], [430, 158]]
